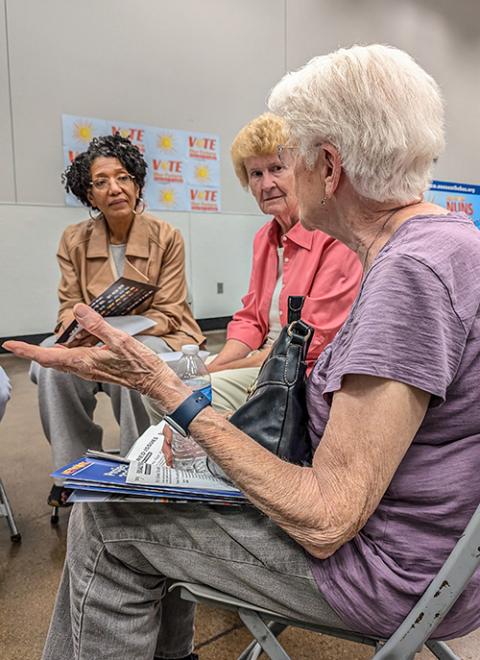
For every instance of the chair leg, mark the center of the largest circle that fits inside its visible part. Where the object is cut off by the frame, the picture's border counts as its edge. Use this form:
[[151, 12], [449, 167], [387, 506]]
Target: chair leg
[[441, 651], [6, 511], [263, 635], [253, 650]]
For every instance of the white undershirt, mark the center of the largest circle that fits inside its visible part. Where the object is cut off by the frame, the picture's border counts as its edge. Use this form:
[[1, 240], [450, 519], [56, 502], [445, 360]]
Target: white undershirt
[[274, 323], [118, 258]]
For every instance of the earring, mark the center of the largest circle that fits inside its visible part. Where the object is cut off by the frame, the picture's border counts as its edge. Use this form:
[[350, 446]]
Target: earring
[[135, 210], [94, 217], [323, 202]]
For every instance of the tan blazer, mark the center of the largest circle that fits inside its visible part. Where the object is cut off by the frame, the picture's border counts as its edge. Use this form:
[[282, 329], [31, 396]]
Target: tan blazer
[[154, 253]]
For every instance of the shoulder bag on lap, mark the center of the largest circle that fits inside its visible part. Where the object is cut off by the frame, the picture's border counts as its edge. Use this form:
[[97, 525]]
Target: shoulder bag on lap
[[275, 414]]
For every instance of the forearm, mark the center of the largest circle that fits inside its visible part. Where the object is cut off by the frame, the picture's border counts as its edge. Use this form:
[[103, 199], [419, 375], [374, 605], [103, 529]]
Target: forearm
[[253, 359], [288, 494], [325, 506], [232, 351], [302, 501]]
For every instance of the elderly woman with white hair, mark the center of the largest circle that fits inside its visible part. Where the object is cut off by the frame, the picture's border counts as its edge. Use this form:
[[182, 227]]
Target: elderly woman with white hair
[[393, 402]]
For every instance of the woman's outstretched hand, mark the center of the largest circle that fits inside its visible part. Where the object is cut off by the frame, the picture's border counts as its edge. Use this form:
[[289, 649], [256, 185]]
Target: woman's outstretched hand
[[121, 360]]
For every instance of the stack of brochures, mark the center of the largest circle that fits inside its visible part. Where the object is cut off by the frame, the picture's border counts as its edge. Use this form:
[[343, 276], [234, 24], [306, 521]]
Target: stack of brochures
[[143, 476]]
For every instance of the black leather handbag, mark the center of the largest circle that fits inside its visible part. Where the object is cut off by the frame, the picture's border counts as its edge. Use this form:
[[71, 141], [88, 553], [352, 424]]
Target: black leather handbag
[[275, 414]]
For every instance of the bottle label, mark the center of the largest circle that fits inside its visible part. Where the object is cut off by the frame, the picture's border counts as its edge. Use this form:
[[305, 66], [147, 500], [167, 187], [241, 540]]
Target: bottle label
[[207, 391]]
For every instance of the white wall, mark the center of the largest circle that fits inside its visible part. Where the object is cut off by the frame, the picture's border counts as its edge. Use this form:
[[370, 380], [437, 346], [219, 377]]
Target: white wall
[[443, 36], [194, 65], [30, 275]]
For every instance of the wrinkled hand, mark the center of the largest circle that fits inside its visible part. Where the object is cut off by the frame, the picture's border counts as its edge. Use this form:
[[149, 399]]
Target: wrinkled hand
[[122, 360]]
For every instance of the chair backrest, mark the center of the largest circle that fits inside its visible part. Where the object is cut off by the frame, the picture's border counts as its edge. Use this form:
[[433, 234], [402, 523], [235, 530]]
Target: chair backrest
[[440, 596]]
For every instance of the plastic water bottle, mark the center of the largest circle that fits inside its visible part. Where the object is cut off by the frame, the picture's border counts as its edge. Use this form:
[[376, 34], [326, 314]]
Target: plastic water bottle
[[187, 454]]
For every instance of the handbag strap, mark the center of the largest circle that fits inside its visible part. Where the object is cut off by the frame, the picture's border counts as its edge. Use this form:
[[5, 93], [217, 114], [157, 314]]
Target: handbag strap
[[299, 332], [295, 304]]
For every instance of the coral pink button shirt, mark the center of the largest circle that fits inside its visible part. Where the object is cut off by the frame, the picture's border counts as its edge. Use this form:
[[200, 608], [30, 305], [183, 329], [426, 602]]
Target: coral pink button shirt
[[316, 266]]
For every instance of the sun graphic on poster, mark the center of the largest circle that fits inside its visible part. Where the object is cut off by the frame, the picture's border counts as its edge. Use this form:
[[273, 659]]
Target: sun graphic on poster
[[165, 142], [83, 131], [167, 197], [202, 174]]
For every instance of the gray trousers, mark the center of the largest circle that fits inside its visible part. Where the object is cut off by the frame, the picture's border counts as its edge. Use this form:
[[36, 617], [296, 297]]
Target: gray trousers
[[113, 601], [67, 404]]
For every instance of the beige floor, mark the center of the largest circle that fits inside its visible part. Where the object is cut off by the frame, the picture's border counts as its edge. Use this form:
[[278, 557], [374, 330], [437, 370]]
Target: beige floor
[[29, 572]]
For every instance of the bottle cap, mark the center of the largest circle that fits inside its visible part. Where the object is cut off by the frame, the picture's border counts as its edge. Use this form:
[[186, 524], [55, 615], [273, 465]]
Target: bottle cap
[[190, 349]]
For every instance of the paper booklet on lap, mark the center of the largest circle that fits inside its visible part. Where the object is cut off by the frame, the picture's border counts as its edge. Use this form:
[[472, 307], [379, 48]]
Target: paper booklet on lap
[[119, 299], [143, 476]]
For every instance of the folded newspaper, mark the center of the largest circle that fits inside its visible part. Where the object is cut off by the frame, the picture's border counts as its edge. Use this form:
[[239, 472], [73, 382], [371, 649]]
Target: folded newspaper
[[143, 476]]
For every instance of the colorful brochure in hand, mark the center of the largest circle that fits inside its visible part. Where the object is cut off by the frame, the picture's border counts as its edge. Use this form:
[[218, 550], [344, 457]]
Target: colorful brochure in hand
[[121, 297]]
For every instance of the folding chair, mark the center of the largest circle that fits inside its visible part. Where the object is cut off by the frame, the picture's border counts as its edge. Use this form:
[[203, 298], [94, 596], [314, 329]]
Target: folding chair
[[407, 640], [6, 512]]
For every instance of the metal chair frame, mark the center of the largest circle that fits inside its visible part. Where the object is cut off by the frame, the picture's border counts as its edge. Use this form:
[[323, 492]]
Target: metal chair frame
[[6, 512], [409, 638]]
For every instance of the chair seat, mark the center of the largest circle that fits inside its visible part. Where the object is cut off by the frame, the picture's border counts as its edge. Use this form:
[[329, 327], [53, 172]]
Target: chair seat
[[200, 593], [265, 625]]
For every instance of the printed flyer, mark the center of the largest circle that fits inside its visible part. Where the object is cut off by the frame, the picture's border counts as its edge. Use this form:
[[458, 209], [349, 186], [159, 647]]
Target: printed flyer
[[183, 171]]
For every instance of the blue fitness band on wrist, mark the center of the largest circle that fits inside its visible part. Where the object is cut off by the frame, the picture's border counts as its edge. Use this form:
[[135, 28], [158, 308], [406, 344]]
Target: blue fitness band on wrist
[[181, 418]]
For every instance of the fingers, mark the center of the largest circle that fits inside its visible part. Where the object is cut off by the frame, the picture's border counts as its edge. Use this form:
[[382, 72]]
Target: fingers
[[95, 325], [167, 445], [47, 357], [167, 434]]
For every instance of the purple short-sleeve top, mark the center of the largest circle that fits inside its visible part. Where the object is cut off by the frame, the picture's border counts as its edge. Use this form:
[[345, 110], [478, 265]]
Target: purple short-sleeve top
[[416, 320]]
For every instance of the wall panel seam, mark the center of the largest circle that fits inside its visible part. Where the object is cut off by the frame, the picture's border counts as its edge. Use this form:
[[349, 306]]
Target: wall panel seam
[[10, 102]]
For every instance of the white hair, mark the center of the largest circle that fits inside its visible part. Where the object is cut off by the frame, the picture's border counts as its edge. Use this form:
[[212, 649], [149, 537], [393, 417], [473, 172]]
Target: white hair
[[378, 107]]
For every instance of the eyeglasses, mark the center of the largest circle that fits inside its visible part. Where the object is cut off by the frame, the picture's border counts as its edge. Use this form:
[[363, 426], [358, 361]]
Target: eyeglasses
[[286, 153], [103, 183]]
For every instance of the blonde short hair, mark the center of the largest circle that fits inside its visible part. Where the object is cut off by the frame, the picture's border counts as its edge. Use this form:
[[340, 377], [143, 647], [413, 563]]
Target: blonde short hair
[[381, 110], [260, 137]]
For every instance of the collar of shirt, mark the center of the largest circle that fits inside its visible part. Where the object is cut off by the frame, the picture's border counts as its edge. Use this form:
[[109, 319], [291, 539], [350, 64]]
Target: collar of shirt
[[297, 234], [137, 243]]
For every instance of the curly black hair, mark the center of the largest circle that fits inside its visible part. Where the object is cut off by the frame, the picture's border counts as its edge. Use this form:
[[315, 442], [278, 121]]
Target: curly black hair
[[77, 177]]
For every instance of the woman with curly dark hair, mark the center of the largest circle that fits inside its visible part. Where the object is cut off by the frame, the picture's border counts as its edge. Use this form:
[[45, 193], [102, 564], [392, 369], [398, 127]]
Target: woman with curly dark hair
[[119, 239]]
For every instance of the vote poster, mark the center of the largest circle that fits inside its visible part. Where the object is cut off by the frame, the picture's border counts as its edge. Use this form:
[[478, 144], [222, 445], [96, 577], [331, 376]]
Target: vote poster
[[183, 168]]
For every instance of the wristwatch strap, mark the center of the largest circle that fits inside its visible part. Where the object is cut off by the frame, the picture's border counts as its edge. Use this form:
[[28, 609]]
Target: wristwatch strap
[[181, 418]]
